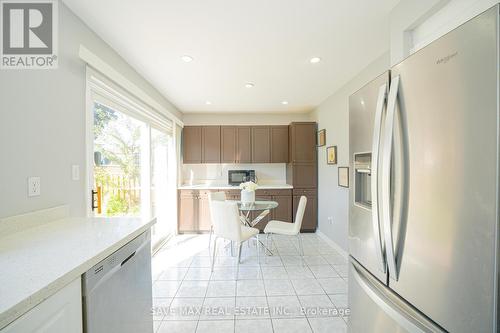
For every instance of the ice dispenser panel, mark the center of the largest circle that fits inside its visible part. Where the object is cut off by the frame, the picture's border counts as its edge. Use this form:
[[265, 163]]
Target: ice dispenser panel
[[362, 179]]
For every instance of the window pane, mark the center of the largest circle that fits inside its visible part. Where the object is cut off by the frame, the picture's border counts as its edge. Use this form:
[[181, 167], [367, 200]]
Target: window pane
[[117, 161], [159, 182]]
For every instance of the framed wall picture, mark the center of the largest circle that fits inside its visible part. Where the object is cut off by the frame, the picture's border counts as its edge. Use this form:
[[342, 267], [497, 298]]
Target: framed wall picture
[[331, 155], [343, 176], [321, 138]]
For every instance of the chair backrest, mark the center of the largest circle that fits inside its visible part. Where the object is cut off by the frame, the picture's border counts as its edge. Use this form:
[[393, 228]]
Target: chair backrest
[[226, 220], [299, 216], [215, 196]]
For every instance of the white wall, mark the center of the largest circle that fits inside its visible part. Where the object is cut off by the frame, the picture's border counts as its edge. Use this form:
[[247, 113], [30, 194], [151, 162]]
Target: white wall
[[414, 24], [42, 122], [267, 173], [333, 115], [243, 118]]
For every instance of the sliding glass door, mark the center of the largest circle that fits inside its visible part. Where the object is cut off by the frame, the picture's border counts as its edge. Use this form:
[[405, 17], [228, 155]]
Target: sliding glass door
[[132, 164], [119, 142], [160, 182]]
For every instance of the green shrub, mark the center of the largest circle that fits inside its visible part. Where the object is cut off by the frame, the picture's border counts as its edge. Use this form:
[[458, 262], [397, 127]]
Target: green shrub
[[117, 206]]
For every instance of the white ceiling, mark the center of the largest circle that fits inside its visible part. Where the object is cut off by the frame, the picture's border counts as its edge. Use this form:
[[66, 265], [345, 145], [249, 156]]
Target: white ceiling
[[267, 42]]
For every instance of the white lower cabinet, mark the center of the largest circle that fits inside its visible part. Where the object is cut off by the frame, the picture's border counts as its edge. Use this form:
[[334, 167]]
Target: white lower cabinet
[[60, 313]]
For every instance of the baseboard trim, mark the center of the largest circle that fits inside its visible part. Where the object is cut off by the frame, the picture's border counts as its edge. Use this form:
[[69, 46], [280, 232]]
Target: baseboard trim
[[333, 244]]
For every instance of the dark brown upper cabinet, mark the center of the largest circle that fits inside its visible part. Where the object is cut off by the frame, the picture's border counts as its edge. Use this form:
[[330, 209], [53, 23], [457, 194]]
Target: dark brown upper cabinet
[[211, 144], [191, 144], [302, 140], [279, 144], [201, 144], [228, 144], [236, 144], [243, 144], [261, 144]]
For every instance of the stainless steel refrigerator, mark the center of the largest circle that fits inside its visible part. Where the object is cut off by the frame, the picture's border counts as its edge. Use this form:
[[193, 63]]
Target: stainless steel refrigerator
[[424, 160]]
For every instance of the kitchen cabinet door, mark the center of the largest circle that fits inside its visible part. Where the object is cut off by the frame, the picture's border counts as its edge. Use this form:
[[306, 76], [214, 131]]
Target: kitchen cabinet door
[[243, 144], [279, 144], [188, 211], [60, 313], [191, 144], [302, 142], [310, 220], [204, 219], [232, 194], [261, 144], [211, 144], [228, 144], [284, 210], [304, 175]]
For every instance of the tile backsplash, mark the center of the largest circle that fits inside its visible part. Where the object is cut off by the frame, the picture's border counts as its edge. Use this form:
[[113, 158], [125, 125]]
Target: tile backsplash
[[267, 173]]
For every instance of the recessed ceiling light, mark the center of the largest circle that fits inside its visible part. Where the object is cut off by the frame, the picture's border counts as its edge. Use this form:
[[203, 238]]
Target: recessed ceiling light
[[208, 103], [249, 85], [186, 58], [284, 102], [315, 60]]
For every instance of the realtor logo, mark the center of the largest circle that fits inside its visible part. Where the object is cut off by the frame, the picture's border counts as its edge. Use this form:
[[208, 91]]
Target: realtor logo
[[29, 34]]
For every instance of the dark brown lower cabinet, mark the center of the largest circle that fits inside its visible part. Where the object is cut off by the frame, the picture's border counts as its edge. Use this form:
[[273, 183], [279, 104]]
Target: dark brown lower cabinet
[[204, 221], [284, 211], [194, 210], [262, 224], [310, 220], [188, 211]]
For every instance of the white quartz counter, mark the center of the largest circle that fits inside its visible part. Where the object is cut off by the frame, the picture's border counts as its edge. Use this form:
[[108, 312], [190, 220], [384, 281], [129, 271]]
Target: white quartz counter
[[37, 262], [229, 187]]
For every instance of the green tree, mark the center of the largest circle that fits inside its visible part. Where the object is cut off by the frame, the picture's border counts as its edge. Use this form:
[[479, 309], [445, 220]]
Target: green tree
[[117, 139]]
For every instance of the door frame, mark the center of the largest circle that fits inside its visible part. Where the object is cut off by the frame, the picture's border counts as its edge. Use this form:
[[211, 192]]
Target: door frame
[[89, 145]]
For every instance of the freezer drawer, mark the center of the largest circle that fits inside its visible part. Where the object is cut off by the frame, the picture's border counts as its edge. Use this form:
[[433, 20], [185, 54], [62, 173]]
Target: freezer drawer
[[375, 308]]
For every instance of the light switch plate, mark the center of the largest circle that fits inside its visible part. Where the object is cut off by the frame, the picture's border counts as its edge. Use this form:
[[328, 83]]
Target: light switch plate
[[75, 172], [33, 186]]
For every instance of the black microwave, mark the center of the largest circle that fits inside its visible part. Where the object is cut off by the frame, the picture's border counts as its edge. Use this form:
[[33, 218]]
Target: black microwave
[[236, 177]]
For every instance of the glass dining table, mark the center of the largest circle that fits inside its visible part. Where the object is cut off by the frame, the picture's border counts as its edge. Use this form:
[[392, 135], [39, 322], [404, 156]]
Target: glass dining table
[[263, 206]]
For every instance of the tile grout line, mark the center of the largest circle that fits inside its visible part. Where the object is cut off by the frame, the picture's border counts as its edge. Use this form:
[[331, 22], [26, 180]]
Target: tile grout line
[[307, 267]]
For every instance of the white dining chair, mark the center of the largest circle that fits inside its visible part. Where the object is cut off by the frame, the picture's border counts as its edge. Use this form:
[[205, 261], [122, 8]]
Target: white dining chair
[[214, 196], [287, 228], [227, 225]]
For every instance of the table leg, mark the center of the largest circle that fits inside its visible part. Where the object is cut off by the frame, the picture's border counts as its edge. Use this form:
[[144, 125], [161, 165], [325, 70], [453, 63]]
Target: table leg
[[252, 223]]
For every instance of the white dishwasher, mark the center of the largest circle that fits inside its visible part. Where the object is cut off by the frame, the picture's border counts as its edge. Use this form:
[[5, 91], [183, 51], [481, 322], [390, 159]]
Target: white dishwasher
[[117, 292]]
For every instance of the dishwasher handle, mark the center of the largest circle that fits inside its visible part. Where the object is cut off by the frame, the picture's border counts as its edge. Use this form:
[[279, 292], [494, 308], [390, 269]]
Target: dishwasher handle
[[128, 258], [111, 265]]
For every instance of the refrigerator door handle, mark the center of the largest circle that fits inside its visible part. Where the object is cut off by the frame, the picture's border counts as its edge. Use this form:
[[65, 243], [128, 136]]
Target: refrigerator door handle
[[405, 316], [374, 175], [386, 178]]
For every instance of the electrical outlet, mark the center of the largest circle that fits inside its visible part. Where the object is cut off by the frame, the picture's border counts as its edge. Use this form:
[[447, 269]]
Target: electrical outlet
[[330, 219], [33, 186]]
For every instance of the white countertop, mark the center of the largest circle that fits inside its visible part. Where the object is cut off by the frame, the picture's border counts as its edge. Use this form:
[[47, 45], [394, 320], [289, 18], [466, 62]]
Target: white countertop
[[37, 262], [229, 187]]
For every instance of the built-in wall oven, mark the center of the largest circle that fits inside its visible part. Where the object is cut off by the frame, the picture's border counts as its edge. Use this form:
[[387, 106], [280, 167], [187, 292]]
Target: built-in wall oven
[[236, 177]]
